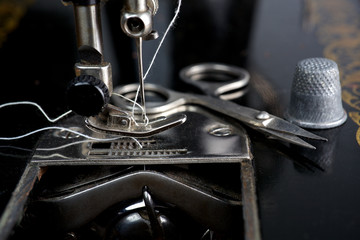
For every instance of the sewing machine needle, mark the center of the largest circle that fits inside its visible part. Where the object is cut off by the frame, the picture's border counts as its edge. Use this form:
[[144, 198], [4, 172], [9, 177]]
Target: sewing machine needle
[[141, 75]]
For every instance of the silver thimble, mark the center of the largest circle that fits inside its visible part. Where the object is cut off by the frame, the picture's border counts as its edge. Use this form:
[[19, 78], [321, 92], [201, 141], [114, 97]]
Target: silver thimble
[[316, 95]]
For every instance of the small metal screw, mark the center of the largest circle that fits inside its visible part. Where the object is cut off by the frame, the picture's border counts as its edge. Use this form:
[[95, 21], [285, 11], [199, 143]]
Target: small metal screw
[[220, 131], [68, 135], [263, 115], [151, 36], [124, 122]]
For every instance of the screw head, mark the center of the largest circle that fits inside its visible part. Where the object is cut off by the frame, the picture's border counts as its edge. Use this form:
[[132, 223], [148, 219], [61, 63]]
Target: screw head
[[263, 115], [220, 131], [68, 135]]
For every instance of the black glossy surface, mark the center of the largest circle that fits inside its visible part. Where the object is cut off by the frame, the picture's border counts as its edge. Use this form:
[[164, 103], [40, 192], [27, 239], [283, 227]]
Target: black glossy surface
[[314, 197], [302, 195], [35, 62]]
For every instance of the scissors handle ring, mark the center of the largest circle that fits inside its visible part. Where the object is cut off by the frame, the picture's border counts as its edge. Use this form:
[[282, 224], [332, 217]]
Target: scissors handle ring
[[217, 80]]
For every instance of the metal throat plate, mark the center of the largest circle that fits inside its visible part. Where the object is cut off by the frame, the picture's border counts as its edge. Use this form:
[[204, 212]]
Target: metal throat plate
[[203, 138]]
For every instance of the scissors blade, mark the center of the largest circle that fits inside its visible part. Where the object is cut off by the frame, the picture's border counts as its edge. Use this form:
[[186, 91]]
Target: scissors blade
[[285, 137], [272, 125], [250, 116], [280, 125]]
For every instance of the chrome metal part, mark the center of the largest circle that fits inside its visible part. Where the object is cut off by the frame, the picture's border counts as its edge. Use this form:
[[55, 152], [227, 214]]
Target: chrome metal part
[[151, 36], [90, 49], [120, 122], [136, 22], [285, 137], [175, 189], [156, 224], [136, 19], [136, 6], [175, 146], [316, 95], [115, 121], [88, 26], [223, 81], [220, 130], [250, 210], [141, 76], [275, 126], [68, 135], [101, 71], [153, 6], [137, 25], [263, 115], [201, 204], [149, 203]]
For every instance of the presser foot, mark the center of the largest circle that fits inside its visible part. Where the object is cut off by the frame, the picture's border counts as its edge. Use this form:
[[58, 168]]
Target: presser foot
[[116, 121]]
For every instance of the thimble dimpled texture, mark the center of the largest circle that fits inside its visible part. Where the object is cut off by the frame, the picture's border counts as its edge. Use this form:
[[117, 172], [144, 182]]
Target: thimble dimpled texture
[[316, 95], [316, 77]]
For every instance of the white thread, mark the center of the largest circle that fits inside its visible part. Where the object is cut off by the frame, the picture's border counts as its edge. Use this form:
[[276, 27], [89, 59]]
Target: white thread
[[132, 113], [135, 99], [68, 130], [58, 128], [62, 146], [163, 38], [38, 106], [17, 148], [50, 128], [143, 110], [171, 24], [135, 103], [128, 99], [84, 141]]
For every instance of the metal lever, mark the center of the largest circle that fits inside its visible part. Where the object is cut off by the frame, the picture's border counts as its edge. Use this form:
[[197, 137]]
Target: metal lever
[[156, 226]]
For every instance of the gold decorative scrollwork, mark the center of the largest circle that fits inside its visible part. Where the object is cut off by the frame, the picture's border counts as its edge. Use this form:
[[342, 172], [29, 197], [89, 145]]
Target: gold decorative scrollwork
[[11, 12], [337, 27]]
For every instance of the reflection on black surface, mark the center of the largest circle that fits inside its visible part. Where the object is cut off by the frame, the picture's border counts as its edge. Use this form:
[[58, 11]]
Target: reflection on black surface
[[307, 161], [14, 152], [323, 156]]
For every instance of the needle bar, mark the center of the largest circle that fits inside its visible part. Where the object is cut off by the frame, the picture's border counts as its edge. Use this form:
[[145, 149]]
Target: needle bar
[[141, 75]]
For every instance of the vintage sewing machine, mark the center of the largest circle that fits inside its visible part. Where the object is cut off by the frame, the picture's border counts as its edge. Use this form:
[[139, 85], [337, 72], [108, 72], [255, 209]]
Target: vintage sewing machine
[[198, 162]]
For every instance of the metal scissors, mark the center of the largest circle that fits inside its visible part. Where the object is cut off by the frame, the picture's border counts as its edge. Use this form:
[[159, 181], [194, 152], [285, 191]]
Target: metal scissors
[[218, 80], [259, 120]]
